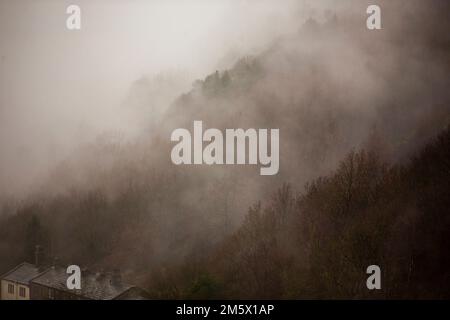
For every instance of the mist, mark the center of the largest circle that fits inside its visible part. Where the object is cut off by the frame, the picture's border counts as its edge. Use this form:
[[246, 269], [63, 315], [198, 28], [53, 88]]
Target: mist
[[60, 89], [86, 116]]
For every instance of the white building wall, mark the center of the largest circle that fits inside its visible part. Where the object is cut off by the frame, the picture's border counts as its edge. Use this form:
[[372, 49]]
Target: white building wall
[[5, 295]]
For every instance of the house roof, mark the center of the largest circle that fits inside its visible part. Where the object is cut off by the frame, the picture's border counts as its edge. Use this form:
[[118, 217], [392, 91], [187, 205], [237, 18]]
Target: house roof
[[134, 293], [23, 273], [93, 285]]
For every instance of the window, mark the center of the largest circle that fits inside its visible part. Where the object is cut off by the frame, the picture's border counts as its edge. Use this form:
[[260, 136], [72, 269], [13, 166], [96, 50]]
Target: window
[[51, 294], [22, 292], [10, 288]]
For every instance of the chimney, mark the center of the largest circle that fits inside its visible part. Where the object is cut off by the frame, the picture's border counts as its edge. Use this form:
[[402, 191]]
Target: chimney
[[100, 275], [116, 279], [38, 256]]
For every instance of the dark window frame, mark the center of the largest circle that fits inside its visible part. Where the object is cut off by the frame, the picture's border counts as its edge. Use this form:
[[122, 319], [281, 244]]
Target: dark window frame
[[22, 292], [51, 293]]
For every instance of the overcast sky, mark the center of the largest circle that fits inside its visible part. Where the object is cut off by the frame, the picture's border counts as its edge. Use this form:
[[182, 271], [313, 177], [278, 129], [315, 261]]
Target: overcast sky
[[59, 87]]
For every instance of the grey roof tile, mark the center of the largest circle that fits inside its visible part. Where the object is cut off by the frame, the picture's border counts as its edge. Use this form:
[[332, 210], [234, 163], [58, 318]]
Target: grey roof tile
[[93, 285], [23, 273]]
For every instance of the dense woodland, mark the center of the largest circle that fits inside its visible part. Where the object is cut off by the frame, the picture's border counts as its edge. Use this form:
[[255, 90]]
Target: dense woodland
[[319, 242], [316, 243]]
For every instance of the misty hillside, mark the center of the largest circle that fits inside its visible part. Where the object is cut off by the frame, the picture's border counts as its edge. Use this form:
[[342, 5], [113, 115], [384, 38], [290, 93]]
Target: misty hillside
[[317, 243], [333, 90]]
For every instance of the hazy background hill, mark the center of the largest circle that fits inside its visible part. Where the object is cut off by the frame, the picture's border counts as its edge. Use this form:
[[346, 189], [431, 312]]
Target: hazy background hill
[[330, 86]]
